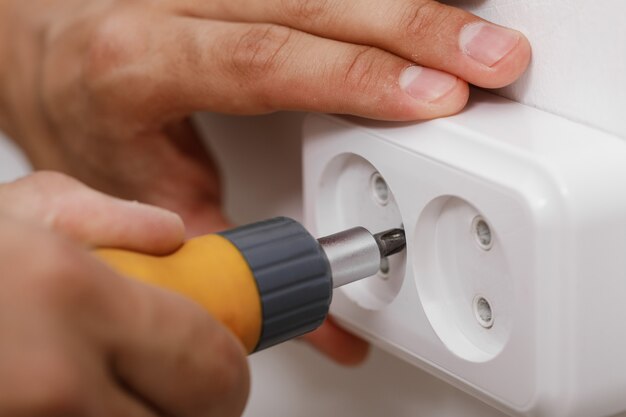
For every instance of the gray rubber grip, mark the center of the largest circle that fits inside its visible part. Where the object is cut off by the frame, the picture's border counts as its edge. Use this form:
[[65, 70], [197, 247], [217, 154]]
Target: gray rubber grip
[[292, 275]]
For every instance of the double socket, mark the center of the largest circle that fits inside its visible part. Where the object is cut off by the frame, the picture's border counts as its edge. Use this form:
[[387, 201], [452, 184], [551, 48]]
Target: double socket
[[513, 284]]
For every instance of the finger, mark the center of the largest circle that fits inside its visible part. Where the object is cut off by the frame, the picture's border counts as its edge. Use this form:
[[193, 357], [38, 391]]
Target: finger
[[176, 357], [162, 348], [65, 205], [339, 345], [425, 31], [48, 371], [272, 67]]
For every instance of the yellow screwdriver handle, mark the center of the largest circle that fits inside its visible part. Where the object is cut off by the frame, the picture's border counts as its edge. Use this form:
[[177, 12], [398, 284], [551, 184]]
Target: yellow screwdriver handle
[[209, 270], [268, 281]]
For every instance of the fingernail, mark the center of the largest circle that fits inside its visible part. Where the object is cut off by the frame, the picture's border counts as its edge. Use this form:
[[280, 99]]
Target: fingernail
[[426, 84], [487, 43]]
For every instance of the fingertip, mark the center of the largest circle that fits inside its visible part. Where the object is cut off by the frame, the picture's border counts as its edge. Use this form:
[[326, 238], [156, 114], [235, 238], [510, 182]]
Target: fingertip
[[453, 102], [148, 229], [511, 67], [494, 56], [447, 104]]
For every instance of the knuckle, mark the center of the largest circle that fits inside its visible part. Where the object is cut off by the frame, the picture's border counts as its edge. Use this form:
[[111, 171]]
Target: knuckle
[[259, 52], [55, 75], [361, 68], [115, 87], [424, 19], [307, 11], [116, 45]]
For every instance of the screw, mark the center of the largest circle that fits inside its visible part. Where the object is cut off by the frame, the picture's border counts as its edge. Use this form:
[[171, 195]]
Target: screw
[[380, 190]]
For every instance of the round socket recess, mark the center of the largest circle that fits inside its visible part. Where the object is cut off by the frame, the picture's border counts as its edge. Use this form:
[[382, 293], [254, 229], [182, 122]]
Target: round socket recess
[[463, 280], [352, 192]]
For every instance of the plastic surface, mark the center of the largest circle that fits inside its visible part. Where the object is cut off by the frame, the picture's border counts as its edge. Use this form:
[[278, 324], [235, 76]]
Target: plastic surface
[[292, 275], [514, 284]]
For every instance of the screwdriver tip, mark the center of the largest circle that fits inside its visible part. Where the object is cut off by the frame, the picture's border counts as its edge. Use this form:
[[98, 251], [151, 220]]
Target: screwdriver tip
[[390, 241]]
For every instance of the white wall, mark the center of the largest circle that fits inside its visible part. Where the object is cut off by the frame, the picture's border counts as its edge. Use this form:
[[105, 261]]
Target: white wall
[[579, 56], [12, 163]]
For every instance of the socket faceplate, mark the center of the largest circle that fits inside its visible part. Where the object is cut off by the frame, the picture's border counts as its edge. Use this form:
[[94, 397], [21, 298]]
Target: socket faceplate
[[516, 228]]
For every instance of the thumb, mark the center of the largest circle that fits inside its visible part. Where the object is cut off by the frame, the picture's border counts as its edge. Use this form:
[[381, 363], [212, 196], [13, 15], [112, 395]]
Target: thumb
[[63, 204]]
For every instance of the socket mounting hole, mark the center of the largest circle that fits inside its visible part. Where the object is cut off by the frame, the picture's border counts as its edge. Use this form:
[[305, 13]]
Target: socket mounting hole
[[383, 273], [380, 190], [482, 233], [483, 312]]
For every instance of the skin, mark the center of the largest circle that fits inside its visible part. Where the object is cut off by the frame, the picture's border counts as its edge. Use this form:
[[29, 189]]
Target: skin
[[78, 339], [103, 90]]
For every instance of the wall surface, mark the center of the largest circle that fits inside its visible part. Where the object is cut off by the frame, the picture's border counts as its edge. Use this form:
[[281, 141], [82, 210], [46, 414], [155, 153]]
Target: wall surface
[[579, 56], [12, 163]]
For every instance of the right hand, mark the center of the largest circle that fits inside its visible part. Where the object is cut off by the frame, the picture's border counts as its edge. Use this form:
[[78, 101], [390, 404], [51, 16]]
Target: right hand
[[76, 339]]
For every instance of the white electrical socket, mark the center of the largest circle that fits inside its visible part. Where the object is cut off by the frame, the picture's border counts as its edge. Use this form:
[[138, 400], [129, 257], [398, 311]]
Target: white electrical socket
[[513, 284]]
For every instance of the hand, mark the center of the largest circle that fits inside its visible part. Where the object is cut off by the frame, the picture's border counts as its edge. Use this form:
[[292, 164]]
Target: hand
[[77, 339], [103, 89]]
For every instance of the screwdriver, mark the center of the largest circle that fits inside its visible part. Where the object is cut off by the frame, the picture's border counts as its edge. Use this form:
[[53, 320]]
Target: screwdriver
[[268, 282]]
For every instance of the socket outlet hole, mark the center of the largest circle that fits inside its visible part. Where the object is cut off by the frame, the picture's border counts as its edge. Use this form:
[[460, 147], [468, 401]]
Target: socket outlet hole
[[483, 312], [380, 190], [482, 233]]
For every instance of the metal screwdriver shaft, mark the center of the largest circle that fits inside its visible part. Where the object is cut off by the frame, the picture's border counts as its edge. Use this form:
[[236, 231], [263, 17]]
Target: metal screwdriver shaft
[[355, 253]]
